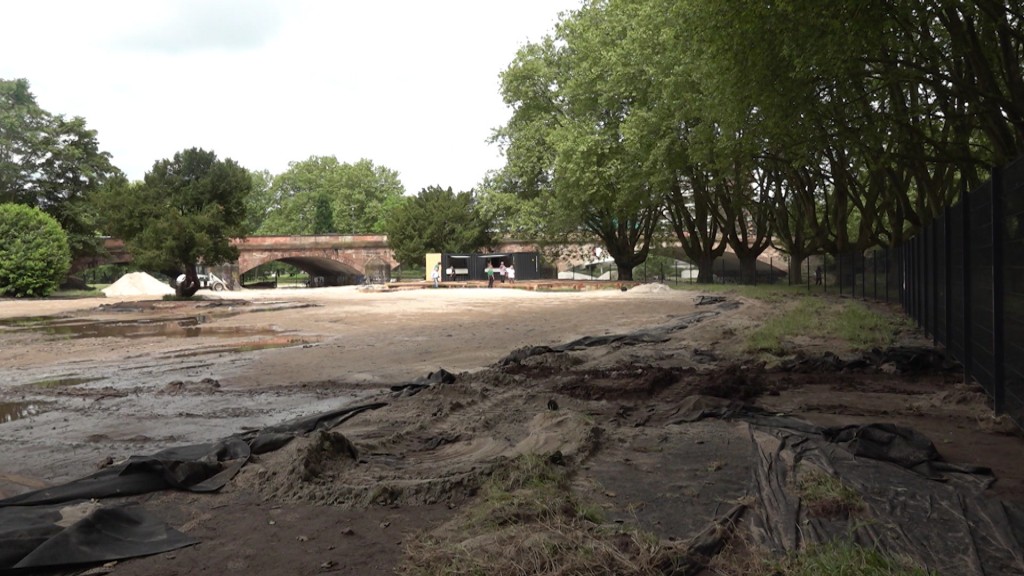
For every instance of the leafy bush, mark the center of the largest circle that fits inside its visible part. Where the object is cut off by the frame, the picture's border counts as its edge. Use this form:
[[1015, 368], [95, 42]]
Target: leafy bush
[[34, 252]]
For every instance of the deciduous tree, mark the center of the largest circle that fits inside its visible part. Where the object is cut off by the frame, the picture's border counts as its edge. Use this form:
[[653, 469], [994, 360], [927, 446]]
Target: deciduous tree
[[321, 195], [435, 220], [185, 212], [51, 162]]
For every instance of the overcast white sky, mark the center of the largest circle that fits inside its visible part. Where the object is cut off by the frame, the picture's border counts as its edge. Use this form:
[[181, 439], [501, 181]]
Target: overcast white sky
[[409, 84]]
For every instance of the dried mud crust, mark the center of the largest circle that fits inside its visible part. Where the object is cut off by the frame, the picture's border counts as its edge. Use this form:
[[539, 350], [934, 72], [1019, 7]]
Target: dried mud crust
[[616, 415]]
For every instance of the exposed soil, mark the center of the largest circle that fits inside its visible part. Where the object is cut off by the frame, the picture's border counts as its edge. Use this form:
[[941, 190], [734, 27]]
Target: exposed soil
[[87, 382]]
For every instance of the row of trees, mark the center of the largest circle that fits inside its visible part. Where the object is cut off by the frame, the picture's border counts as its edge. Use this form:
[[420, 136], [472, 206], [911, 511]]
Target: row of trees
[[813, 126], [187, 208], [816, 127]]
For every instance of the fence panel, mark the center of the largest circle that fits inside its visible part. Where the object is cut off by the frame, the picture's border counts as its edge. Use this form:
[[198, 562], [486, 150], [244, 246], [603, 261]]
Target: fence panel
[[940, 271], [955, 340], [1012, 232], [980, 329], [962, 280]]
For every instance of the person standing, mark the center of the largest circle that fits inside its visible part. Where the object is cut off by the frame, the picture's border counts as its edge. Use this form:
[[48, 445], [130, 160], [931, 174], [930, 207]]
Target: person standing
[[818, 273], [502, 271], [490, 275], [436, 274], [511, 273]]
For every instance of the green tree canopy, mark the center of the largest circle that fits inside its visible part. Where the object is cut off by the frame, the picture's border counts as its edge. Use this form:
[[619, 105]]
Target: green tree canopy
[[820, 126], [185, 212], [566, 145], [34, 252], [50, 162], [323, 196], [435, 220]]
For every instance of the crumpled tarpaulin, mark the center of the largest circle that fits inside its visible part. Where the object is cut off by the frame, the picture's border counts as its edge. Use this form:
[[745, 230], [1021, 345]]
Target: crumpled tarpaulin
[[44, 529], [913, 504], [57, 535]]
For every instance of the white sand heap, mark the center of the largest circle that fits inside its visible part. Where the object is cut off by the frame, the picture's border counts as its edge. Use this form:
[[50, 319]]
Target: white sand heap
[[137, 284], [652, 287]]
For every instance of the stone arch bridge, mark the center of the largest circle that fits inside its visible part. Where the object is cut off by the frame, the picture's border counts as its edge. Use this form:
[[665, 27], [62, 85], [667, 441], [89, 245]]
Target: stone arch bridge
[[336, 258]]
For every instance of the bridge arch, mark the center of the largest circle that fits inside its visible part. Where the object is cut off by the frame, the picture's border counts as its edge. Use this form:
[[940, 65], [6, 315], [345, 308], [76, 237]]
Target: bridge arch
[[338, 259]]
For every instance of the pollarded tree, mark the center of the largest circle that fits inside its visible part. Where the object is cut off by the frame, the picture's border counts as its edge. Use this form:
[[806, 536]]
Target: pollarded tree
[[34, 253], [435, 220], [185, 212]]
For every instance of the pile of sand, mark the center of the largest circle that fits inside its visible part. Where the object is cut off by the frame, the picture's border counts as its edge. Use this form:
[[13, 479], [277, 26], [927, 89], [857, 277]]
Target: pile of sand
[[137, 284], [651, 287]]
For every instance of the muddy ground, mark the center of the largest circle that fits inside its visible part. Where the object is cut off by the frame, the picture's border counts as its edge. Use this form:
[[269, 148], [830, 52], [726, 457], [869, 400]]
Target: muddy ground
[[92, 381]]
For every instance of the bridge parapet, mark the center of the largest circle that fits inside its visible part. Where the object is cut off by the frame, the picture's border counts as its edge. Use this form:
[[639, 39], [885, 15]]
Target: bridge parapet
[[327, 252]]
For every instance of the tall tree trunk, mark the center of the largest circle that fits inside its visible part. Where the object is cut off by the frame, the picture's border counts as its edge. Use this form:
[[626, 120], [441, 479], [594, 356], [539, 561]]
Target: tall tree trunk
[[796, 266], [625, 270], [188, 286], [706, 269], [748, 268]]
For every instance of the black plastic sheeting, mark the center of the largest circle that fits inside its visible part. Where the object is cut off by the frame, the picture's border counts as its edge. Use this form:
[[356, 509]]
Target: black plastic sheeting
[[57, 526], [36, 537], [915, 505]]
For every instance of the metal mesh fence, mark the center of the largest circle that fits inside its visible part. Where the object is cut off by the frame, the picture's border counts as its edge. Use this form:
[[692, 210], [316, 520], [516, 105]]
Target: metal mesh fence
[[962, 280]]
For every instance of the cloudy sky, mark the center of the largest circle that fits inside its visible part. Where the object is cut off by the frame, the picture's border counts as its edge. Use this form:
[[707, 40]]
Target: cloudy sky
[[409, 84]]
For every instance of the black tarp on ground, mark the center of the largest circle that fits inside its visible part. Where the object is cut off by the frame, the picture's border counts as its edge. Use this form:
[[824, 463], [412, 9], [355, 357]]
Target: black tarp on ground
[[38, 537], [914, 505], [44, 529], [911, 503]]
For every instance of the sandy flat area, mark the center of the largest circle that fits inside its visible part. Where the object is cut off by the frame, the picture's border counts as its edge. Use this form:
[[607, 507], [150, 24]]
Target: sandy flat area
[[88, 382]]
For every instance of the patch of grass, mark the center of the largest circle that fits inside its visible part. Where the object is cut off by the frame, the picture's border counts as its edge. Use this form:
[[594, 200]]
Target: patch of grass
[[847, 559], [92, 292], [65, 381], [176, 298], [840, 557], [857, 324], [865, 328], [527, 521], [770, 293], [824, 495], [805, 316], [529, 488]]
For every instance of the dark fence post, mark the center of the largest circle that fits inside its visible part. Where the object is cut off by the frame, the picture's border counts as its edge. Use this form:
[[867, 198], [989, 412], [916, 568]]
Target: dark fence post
[[863, 275], [920, 280], [965, 238], [923, 271], [947, 247], [998, 323], [874, 274], [889, 268], [933, 288]]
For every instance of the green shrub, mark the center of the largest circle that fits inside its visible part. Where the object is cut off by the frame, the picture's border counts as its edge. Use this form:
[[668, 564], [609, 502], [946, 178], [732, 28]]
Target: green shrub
[[34, 252]]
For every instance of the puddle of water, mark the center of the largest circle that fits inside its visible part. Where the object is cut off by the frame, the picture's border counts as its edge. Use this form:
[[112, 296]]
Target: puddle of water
[[264, 344], [62, 382], [183, 327], [11, 411]]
